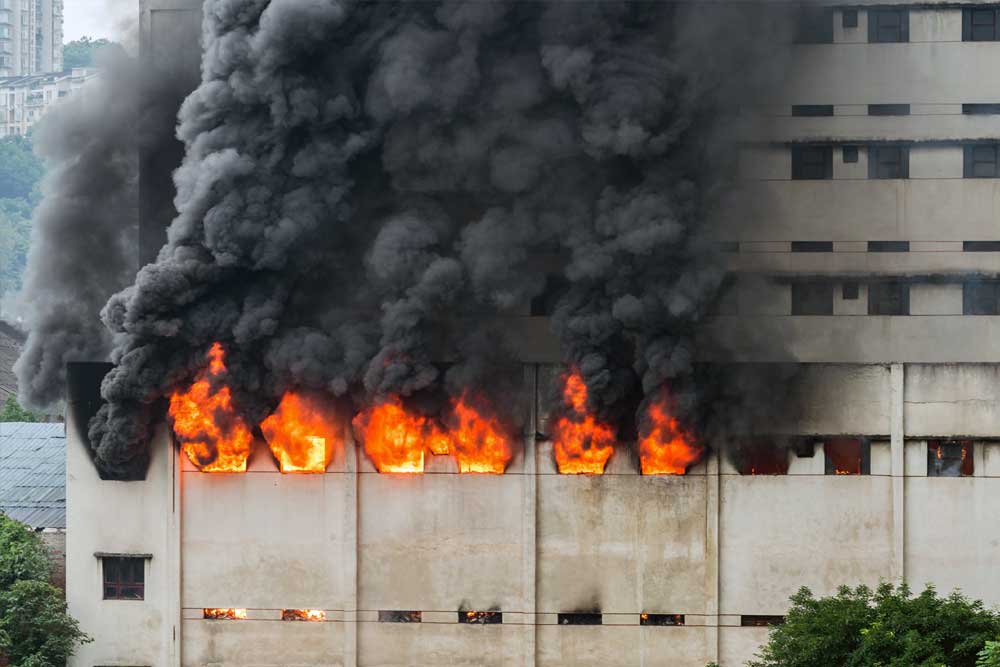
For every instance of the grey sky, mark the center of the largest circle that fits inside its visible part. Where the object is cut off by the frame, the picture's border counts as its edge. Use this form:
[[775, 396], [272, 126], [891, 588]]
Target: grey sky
[[96, 18]]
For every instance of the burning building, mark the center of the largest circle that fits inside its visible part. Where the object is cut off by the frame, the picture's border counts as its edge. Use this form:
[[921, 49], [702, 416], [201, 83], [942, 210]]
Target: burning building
[[266, 476]]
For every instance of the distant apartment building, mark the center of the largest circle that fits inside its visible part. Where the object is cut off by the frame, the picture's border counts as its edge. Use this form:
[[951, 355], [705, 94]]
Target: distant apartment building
[[31, 37], [25, 99]]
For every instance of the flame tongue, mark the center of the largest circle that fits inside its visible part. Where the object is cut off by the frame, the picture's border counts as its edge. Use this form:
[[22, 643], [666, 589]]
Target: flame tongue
[[395, 439], [303, 433], [665, 448], [582, 445], [479, 441], [213, 436]]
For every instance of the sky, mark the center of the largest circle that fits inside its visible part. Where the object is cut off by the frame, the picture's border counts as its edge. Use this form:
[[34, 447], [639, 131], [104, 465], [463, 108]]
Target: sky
[[96, 18]]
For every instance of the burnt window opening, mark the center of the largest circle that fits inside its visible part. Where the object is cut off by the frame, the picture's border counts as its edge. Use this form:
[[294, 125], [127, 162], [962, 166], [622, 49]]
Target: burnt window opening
[[661, 619], [889, 298], [812, 246], [981, 297], [395, 616], [812, 298], [888, 246], [981, 246], [849, 154], [814, 25], [811, 163], [849, 291], [812, 110], [545, 303], [804, 448], [314, 615], [761, 457], [950, 459], [480, 617], [224, 614], [124, 577], [760, 621], [849, 18], [847, 456], [580, 618], [980, 24], [887, 162], [888, 25], [980, 161], [888, 109], [981, 109]]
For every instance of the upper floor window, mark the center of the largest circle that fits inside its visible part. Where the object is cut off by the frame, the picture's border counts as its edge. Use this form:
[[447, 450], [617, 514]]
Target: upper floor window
[[888, 24], [981, 109], [124, 577], [812, 162], [889, 298], [812, 246], [815, 25], [812, 109], [888, 246], [888, 109], [847, 456], [949, 459], [981, 297], [888, 162], [981, 161], [979, 24]]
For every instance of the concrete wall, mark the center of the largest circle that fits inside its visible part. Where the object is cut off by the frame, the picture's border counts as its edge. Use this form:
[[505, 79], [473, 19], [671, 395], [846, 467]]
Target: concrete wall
[[712, 545]]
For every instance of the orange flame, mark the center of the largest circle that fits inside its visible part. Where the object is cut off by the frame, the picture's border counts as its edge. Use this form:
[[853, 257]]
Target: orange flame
[[227, 614], [582, 445], [395, 439], [213, 436], [302, 433], [314, 615], [665, 448], [479, 442]]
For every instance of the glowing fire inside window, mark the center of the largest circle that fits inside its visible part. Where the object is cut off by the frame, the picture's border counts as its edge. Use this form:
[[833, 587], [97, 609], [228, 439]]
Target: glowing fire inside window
[[846, 456], [218, 614], [480, 617], [665, 447], [303, 433], [314, 615], [581, 444]]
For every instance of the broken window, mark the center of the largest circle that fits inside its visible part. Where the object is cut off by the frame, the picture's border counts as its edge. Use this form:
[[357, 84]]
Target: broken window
[[580, 618], [814, 25], [224, 614], [979, 24], [981, 297], [888, 25], [124, 577], [812, 162], [314, 615], [888, 162], [980, 161], [394, 616], [812, 298], [888, 246], [761, 457], [760, 621], [812, 109], [890, 298], [949, 459], [661, 619], [480, 617], [847, 456]]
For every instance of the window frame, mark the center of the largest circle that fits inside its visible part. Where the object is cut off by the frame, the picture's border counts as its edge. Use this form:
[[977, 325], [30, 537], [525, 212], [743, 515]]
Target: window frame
[[876, 153], [809, 170], [876, 307], [864, 462], [966, 458], [876, 30], [118, 588], [970, 300], [969, 23], [970, 161]]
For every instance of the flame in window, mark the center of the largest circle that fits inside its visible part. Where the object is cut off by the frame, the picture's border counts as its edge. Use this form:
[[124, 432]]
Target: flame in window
[[224, 614]]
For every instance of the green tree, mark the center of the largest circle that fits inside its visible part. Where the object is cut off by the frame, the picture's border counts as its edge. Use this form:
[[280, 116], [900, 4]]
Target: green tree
[[35, 630], [11, 411], [990, 655], [82, 52], [887, 627], [15, 238], [20, 169]]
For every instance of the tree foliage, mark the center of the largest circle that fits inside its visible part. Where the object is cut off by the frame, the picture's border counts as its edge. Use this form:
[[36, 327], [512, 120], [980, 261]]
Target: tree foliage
[[15, 237], [35, 630], [887, 627], [990, 655], [20, 169], [82, 52], [11, 411]]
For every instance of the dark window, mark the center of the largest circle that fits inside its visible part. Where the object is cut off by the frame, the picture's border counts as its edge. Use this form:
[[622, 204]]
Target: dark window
[[394, 616], [578, 618], [661, 619], [812, 246], [981, 161], [847, 456], [888, 298], [812, 162], [850, 154], [888, 162], [761, 457], [480, 617], [888, 25], [888, 246], [759, 621], [545, 303], [888, 109], [812, 109], [815, 25], [981, 246], [979, 24], [981, 109], [949, 459], [981, 298], [849, 18], [849, 292], [124, 578], [812, 298]]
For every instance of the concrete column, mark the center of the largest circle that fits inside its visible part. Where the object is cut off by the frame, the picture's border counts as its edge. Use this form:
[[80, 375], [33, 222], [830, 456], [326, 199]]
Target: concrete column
[[349, 560], [529, 526], [713, 557], [896, 434], [173, 552]]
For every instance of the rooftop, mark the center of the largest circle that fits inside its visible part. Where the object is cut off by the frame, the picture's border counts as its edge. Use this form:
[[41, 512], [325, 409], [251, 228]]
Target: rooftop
[[33, 473]]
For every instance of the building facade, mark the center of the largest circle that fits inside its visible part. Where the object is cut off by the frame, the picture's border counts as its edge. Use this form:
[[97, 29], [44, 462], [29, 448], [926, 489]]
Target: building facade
[[25, 99], [31, 37], [868, 252]]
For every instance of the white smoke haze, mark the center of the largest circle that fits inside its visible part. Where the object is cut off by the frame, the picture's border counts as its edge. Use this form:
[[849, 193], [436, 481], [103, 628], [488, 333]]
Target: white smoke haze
[[359, 176]]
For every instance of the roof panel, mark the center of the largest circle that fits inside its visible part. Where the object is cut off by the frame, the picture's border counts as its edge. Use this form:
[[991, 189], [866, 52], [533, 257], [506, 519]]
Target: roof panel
[[33, 473]]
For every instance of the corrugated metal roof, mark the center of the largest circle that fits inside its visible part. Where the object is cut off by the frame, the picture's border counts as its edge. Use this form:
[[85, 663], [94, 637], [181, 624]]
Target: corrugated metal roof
[[33, 473]]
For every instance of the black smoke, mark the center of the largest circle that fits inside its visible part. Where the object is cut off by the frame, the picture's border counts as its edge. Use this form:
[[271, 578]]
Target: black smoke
[[366, 185]]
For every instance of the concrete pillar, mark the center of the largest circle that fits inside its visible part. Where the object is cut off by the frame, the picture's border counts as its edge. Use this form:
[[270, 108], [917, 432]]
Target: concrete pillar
[[173, 554], [896, 434], [529, 523], [713, 562], [349, 559]]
